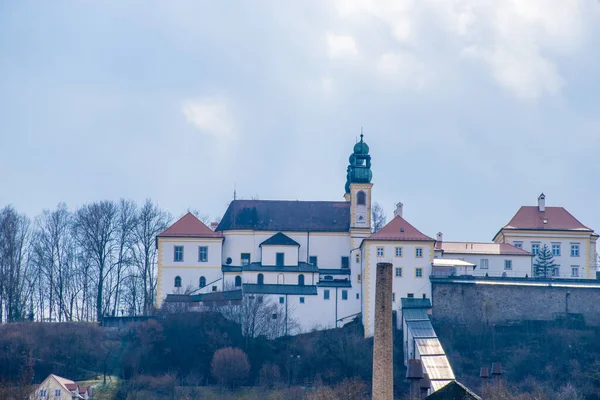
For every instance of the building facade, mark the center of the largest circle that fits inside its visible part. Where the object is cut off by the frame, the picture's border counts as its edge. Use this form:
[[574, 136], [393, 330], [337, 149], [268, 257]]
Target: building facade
[[316, 259]]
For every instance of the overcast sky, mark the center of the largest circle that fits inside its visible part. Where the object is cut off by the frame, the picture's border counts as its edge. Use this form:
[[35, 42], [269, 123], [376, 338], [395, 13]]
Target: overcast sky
[[471, 108]]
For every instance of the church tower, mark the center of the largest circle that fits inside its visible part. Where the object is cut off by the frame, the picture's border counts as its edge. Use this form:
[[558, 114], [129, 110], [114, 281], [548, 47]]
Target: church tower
[[358, 186]]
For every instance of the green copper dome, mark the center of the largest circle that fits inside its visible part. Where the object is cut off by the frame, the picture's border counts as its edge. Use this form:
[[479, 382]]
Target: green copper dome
[[359, 170], [361, 147]]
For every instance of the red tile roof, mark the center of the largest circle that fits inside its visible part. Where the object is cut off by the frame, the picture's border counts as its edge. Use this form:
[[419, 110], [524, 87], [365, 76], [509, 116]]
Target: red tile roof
[[553, 218], [189, 226], [481, 248], [398, 229]]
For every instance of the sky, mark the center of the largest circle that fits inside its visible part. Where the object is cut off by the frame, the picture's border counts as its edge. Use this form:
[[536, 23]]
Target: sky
[[471, 109]]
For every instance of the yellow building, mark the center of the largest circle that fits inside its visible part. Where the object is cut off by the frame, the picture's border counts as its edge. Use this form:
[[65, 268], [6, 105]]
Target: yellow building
[[56, 388], [573, 245]]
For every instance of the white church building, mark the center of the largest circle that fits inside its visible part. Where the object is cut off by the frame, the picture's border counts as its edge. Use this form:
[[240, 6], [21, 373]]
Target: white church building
[[317, 259]]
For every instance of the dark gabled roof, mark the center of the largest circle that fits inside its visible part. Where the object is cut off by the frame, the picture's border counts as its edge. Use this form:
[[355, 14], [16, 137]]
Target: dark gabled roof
[[302, 267], [279, 289], [189, 226], [334, 284], [228, 295], [453, 391], [280, 239], [229, 268], [335, 271], [398, 229], [415, 302], [288, 216]]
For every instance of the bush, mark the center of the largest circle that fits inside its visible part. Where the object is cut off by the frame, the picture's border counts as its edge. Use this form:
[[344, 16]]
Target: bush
[[230, 366], [269, 376]]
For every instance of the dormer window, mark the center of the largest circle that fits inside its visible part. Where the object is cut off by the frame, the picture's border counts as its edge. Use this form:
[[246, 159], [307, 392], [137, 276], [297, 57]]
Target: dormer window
[[361, 198]]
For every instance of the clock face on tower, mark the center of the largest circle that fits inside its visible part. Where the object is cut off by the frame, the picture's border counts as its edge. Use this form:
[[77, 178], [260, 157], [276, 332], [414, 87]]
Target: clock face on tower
[[361, 219]]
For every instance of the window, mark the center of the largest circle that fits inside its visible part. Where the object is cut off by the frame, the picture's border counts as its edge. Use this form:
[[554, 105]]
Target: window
[[313, 260], [418, 252], [398, 251], [361, 198], [245, 259], [280, 259], [357, 258], [357, 296], [574, 250], [556, 271], [301, 279], [56, 392], [507, 264], [202, 281], [380, 252], [518, 245], [394, 297], [398, 271], [274, 316], [419, 272], [178, 256], [484, 263], [202, 254], [43, 393], [344, 295], [358, 278], [259, 299], [556, 249], [177, 281], [574, 271], [535, 249], [345, 262], [301, 300], [281, 300], [410, 295], [260, 279], [326, 294], [238, 281], [214, 288], [424, 296]]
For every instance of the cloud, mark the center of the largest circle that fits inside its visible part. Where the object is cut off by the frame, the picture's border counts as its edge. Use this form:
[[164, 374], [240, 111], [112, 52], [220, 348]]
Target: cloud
[[403, 67], [341, 46], [518, 43], [211, 116]]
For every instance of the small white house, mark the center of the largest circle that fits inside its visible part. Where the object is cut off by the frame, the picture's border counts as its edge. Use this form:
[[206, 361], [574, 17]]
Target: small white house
[[57, 388]]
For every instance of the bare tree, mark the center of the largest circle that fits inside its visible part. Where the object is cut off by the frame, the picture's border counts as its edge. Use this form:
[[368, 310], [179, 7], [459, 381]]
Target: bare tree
[[96, 230], [14, 287], [378, 217], [151, 221], [127, 225]]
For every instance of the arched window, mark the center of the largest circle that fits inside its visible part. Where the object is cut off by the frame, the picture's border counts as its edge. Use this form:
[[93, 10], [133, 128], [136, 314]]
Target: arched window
[[238, 281], [202, 281], [361, 198], [261, 279], [280, 279], [301, 280], [177, 281]]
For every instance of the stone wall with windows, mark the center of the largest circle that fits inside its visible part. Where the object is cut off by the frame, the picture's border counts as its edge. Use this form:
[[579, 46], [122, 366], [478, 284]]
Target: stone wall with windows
[[504, 301]]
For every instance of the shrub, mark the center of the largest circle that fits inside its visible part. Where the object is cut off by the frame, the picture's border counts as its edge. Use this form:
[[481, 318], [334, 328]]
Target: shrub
[[230, 366], [269, 375]]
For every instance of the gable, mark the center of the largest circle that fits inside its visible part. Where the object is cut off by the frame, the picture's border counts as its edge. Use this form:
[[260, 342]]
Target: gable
[[189, 226], [399, 229]]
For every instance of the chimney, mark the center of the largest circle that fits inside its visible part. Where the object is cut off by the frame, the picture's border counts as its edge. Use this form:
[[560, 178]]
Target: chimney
[[383, 344], [398, 210], [213, 225], [542, 202], [440, 236]]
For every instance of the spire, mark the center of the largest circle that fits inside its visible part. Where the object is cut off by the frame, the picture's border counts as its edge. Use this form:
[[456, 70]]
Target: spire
[[359, 170], [234, 193]]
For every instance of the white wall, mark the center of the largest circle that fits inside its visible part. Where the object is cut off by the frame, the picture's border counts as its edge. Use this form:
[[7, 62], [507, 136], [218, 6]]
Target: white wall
[[521, 265], [190, 269], [587, 251], [402, 286], [269, 253], [328, 247]]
